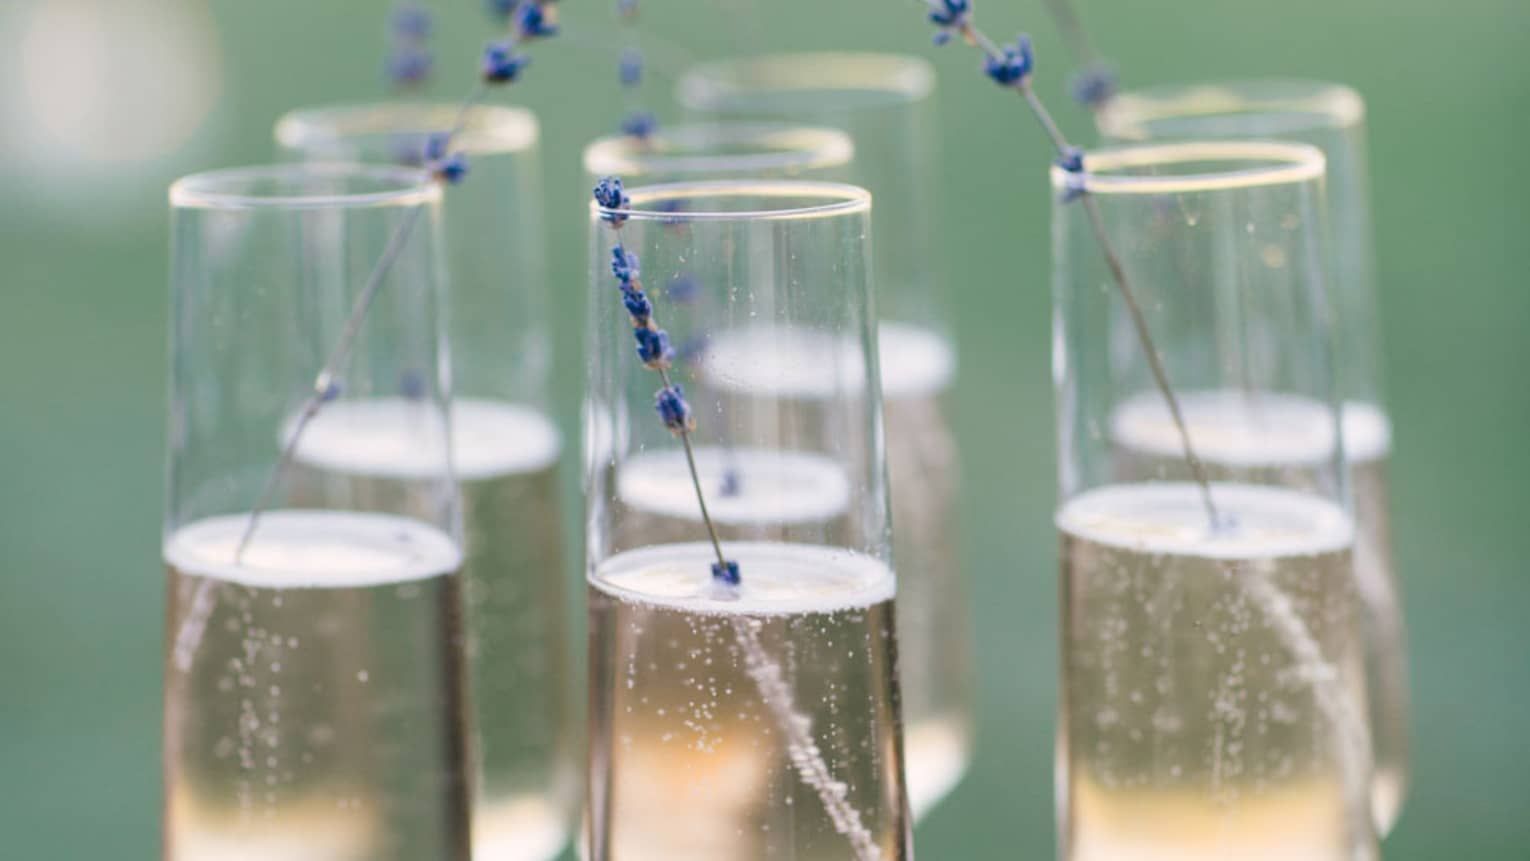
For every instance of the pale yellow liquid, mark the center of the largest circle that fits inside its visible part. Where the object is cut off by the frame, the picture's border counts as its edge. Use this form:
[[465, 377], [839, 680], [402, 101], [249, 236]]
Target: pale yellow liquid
[[786, 376], [384, 454], [691, 758], [1285, 439], [1213, 704], [321, 716]]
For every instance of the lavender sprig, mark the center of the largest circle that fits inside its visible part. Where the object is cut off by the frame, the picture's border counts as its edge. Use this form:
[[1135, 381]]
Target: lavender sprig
[[656, 354], [675, 412], [447, 167], [1094, 85], [409, 62], [1011, 67], [637, 122], [500, 65]]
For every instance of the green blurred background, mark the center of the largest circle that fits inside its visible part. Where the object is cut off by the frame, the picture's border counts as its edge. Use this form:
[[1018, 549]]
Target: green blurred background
[[103, 102]]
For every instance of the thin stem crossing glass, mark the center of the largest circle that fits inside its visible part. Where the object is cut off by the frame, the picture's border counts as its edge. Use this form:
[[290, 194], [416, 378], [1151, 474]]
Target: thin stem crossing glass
[[1332, 118], [759, 719], [884, 102], [506, 447], [313, 675], [1213, 698]]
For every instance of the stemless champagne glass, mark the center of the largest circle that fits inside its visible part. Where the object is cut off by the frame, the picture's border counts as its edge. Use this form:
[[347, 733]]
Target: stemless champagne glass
[[1330, 117], [1213, 701], [702, 152], [758, 720], [884, 103], [506, 450], [314, 699]]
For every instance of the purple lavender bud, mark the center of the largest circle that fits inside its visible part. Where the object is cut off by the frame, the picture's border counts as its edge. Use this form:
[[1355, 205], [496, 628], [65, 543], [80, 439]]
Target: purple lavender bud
[[535, 22], [624, 265], [1094, 86], [1012, 67], [731, 483], [451, 169], [950, 17], [411, 21], [630, 67], [693, 348], [331, 391], [726, 572], [640, 124], [435, 146], [653, 347], [681, 289], [673, 411], [501, 64], [411, 384], [1072, 161], [609, 195], [409, 66], [949, 13], [638, 305]]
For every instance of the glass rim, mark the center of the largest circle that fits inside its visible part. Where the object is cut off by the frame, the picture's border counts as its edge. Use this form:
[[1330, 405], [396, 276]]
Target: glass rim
[[778, 146], [716, 85], [1273, 163], [488, 128], [837, 198], [1130, 114], [214, 189]]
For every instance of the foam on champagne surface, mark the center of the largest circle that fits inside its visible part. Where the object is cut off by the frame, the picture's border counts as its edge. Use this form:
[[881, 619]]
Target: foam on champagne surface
[[797, 361], [1169, 518], [313, 549], [777, 578], [1367, 432], [1233, 428], [399, 438], [914, 360], [774, 486]]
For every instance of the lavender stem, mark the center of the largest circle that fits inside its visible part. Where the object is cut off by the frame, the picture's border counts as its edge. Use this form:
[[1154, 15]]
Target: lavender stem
[[701, 497], [1013, 69], [324, 384], [505, 67]]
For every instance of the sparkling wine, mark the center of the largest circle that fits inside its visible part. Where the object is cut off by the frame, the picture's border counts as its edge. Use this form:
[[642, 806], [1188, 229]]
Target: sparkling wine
[[801, 368], [366, 453], [321, 716], [754, 725], [1286, 439], [934, 646], [1213, 703]]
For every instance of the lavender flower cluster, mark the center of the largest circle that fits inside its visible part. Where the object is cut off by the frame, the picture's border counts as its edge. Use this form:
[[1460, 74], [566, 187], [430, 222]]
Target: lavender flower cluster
[[637, 123], [409, 61], [1011, 67], [655, 351], [653, 345], [500, 64]]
